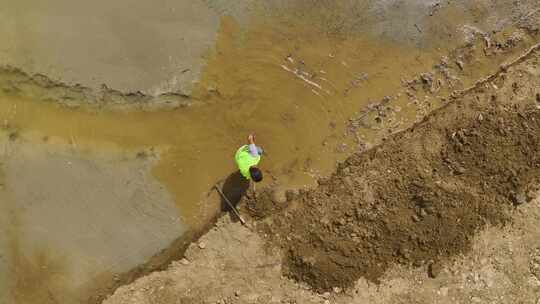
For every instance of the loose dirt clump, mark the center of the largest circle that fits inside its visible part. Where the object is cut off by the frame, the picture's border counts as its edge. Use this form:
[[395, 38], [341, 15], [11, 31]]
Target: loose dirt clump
[[418, 198], [273, 205]]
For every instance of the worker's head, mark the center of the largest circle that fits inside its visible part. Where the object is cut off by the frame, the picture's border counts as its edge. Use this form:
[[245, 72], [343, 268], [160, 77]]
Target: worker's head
[[256, 174]]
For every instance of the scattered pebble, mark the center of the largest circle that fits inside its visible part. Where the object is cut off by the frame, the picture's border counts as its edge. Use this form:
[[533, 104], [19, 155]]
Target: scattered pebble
[[434, 269], [519, 198], [460, 170], [279, 196], [291, 194], [202, 245]]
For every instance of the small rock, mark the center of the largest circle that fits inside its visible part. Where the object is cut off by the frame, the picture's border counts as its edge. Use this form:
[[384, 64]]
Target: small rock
[[279, 196], [519, 199], [532, 194], [202, 245], [291, 194], [434, 269], [184, 261], [430, 209], [480, 117], [415, 218], [237, 293], [460, 64], [460, 170], [427, 78], [348, 181], [444, 60], [14, 135], [341, 148]]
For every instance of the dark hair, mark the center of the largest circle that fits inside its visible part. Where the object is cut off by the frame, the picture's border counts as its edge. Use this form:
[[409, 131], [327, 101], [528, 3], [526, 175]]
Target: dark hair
[[256, 174]]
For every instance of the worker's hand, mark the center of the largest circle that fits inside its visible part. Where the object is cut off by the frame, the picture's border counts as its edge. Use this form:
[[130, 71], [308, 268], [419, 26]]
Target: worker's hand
[[251, 138]]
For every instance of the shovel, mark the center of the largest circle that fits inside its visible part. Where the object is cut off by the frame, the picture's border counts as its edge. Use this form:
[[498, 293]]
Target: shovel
[[230, 205]]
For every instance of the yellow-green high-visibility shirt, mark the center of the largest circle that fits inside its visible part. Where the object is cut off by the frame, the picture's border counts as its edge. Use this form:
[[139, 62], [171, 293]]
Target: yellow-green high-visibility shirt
[[245, 160]]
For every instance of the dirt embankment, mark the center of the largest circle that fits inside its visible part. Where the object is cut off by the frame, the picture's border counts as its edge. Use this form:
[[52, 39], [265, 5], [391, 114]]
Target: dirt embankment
[[430, 201], [421, 196]]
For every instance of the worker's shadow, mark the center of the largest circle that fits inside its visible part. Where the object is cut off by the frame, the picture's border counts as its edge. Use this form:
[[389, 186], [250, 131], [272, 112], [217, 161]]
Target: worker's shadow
[[234, 188]]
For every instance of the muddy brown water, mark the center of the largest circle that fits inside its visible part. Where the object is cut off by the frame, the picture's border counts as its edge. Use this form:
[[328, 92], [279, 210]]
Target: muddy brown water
[[418, 198], [288, 82], [249, 86]]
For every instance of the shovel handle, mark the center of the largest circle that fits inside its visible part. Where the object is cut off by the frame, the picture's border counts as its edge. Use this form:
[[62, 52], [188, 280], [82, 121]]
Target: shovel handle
[[230, 205]]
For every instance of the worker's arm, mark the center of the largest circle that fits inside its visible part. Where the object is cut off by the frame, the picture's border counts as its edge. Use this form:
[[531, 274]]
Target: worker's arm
[[251, 139], [253, 149]]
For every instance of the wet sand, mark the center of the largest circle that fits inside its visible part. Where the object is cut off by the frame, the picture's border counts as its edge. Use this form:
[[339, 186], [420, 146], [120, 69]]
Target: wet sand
[[129, 46], [73, 220]]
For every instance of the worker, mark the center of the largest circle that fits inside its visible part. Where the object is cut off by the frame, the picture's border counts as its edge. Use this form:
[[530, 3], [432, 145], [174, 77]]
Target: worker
[[247, 158]]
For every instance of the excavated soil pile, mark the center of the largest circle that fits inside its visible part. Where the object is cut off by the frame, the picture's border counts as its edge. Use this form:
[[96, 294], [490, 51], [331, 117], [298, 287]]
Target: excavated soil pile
[[416, 199]]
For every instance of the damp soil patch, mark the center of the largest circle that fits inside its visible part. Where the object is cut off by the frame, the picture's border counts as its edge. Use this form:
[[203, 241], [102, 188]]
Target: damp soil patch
[[415, 200]]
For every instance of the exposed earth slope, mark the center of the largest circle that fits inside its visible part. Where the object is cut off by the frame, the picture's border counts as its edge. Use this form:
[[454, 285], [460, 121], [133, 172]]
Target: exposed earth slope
[[446, 211]]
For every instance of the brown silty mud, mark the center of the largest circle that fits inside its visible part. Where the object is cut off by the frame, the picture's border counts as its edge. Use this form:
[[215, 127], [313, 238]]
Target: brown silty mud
[[419, 197]]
